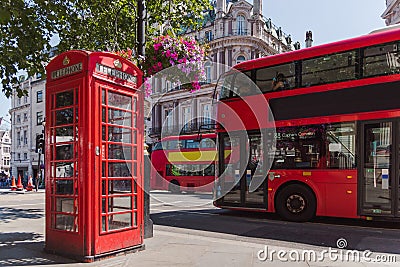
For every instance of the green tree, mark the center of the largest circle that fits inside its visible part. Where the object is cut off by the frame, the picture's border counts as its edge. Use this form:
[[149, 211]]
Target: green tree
[[28, 25]]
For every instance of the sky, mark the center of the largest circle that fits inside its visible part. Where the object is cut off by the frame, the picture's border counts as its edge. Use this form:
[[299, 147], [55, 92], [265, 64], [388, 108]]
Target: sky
[[329, 20], [5, 105]]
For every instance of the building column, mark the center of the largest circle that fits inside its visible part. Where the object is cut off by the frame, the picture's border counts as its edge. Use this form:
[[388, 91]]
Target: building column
[[195, 120], [215, 59], [230, 55], [221, 61], [176, 115], [153, 117]]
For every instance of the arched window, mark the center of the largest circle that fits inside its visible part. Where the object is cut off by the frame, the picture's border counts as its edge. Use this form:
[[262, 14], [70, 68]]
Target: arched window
[[241, 26], [240, 59]]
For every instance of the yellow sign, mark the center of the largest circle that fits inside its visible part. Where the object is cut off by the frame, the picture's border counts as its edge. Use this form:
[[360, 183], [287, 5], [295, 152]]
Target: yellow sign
[[195, 156], [192, 156]]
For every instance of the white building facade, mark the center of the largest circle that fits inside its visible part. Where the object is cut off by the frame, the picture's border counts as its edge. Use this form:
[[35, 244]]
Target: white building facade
[[392, 12], [235, 31], [5, 152], [27, 114]]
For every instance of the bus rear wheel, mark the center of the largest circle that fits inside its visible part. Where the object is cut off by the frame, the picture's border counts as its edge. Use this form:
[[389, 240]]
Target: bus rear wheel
[[174, 187], [296, 203]]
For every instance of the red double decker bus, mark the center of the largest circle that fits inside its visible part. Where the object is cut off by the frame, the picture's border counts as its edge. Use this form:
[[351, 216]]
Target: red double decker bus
[[184, 163], [317, 131]]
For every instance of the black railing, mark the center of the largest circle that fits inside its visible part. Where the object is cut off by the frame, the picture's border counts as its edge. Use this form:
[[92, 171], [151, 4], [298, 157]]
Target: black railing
[[226, 34], [188, 128], [181, 87]]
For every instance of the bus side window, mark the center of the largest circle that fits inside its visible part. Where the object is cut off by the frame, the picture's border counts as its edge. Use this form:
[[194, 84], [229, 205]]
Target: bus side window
[[180, 145], [381, 59], [207, 143], [341, 146], [172, 144], [266, 77], [192, 144], [159, 146]]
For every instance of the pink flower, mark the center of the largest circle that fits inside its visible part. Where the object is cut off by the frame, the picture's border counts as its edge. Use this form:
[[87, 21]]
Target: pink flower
[[183, 52], [147, 86], [196, 86], [157, 46]]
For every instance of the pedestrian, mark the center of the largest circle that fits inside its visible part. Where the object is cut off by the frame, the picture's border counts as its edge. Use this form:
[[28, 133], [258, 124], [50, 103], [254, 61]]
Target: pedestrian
[[37, 181]]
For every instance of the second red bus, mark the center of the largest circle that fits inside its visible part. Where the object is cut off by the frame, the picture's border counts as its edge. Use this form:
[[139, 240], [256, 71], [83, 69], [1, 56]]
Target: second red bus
[[184, 163]]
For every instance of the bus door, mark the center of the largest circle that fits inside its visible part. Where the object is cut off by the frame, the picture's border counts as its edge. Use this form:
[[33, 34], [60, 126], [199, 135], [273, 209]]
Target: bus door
[[255, 188], [379, 168], [243, 183]]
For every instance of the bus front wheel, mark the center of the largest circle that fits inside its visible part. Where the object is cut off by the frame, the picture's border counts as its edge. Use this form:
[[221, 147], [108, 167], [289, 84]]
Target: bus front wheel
[[174, 187], [296, 203]]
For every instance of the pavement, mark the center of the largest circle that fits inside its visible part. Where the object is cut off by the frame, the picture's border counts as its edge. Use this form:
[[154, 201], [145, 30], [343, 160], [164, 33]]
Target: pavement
[[22, 240]]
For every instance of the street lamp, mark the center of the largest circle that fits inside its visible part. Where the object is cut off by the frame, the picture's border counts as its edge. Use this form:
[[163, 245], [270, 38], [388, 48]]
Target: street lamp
[[141, 39], [140, 50], [140, 26]]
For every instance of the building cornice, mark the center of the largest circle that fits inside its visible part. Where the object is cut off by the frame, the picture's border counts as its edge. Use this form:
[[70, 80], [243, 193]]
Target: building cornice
[[390, 8], [19, 107], [251, 41]]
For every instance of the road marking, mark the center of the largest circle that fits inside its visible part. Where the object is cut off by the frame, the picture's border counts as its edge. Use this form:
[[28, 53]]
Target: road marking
[[180, 211]]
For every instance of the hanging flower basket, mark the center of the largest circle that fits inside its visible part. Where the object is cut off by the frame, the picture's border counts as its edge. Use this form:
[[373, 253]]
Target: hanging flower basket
[[180, 59]]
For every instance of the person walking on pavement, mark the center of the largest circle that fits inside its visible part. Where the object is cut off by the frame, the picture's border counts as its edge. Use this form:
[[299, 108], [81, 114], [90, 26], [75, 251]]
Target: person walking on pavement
[[37, 182]]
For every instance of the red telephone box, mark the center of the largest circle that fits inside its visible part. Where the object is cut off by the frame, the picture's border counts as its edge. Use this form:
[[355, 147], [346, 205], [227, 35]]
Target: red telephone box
[[94, 155]]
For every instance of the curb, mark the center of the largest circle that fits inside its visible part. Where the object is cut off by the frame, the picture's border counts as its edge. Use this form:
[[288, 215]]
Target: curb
[[12, 192], [229, 237], [8, 191]]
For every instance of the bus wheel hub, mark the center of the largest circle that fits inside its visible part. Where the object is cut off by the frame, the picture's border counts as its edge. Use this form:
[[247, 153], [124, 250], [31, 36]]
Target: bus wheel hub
[[295, 203]]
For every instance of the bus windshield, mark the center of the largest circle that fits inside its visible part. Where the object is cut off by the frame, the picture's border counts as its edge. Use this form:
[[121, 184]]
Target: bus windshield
[[237, 84]]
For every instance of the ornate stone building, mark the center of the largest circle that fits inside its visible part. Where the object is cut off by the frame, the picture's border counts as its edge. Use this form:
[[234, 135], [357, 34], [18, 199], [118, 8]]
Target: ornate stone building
[[235, 31], [392, 12]]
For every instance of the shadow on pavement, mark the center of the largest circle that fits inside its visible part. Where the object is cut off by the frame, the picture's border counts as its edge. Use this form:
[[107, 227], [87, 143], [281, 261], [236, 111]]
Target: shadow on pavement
[[24, 248], [360, 235], [199, 195], [11, 214]]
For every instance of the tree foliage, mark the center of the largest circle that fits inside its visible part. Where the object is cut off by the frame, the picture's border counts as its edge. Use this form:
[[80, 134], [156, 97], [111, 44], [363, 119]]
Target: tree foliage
[[28, 25]]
